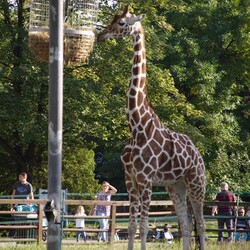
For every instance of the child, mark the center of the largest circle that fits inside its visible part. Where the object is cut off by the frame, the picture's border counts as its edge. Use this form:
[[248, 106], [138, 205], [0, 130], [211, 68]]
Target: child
[[241, 223], [165, 234], [80, 223]]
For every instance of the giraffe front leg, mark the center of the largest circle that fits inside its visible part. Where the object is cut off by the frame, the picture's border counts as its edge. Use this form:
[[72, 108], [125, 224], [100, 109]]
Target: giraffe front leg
[[145, 198], [132, 227], [133, 210]]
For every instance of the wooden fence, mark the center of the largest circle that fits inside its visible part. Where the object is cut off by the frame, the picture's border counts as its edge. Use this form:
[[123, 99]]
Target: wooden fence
[[165, 215]]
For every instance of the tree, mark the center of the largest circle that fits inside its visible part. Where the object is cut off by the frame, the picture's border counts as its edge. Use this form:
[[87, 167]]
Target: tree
[[210, 65], [24, 105], [78, 169], [23, 91]]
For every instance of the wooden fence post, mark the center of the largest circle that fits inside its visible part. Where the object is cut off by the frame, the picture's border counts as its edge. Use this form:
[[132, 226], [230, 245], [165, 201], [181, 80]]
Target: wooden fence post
[[40, 224], [113, 226]]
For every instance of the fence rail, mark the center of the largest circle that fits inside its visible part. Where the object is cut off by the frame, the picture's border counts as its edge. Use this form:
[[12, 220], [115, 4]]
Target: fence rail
[[114, 218]]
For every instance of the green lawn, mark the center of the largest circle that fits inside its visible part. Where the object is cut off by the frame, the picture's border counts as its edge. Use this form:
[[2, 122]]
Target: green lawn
[[211, 245], [70, 244]]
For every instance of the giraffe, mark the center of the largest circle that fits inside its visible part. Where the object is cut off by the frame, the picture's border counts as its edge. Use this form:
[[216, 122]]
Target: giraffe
[[155, 155]]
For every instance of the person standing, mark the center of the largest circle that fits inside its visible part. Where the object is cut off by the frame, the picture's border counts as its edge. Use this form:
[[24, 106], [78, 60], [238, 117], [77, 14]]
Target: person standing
[[22, 189], [241, 223], [224, 210], [104, 210], [80, 224]]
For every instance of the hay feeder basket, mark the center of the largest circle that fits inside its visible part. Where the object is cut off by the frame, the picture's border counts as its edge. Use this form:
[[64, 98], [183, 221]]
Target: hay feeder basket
[[80, 17]]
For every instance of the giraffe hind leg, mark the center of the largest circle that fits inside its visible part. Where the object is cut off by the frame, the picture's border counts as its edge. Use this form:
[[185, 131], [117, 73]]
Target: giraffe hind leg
[[177, 194], [199, 221], [196, 193], [143, 234]]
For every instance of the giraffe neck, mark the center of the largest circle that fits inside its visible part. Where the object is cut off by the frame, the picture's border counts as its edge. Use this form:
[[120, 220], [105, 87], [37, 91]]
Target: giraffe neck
[[137, 101]]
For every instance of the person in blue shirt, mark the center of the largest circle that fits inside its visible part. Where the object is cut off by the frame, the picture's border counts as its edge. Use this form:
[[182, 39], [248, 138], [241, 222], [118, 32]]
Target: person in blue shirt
[[22, 189]]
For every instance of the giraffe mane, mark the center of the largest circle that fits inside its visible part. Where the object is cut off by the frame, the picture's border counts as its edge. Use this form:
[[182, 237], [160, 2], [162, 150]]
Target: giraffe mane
[[151, 106]]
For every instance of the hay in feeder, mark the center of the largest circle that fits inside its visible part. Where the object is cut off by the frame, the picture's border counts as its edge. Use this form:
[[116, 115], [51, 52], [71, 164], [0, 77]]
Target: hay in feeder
[[79, 23], [39, 44], [77, 46]]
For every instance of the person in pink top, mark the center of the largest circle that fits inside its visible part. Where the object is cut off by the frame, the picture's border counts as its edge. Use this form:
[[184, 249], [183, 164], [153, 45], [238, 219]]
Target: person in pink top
[[103, 210]]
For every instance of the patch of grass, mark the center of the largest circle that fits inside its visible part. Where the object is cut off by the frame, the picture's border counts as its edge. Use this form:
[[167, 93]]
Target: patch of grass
[[210, 245]]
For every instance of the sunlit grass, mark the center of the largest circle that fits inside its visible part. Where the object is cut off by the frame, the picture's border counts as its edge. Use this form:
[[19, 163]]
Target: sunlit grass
[[70, 244], [210, 245]]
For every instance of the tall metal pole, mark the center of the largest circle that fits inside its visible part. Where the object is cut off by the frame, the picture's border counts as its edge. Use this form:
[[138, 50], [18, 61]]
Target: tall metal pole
[[53, 207]]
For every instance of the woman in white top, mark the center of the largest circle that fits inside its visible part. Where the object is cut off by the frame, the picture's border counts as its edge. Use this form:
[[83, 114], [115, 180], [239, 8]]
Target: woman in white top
[[80, 224]]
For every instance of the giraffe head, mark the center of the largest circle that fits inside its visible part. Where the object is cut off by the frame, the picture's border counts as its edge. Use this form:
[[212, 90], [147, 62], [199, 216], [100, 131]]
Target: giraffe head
[[122, 25]]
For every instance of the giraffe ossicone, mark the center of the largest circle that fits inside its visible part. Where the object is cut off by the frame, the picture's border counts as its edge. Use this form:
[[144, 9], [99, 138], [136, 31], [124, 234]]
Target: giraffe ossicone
[[155, 155]]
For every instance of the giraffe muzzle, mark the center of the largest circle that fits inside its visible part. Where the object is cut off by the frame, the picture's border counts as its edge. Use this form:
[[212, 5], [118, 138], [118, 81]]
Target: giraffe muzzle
[[101, 37]]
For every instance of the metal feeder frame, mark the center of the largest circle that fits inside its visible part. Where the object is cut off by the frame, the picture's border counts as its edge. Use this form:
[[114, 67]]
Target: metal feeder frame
[[80, 17]]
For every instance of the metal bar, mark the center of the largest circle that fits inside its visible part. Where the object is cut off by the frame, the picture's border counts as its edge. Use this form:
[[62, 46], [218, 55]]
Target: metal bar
[[18, 227], [54, 241], [67, 229]]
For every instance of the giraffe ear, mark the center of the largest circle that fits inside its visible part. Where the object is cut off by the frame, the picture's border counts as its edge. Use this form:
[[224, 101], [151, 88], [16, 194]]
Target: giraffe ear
[[134, 19], [142, 16]]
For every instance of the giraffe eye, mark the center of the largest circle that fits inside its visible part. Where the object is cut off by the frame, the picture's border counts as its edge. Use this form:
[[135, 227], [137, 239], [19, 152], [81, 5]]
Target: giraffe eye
[[121, 23]]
